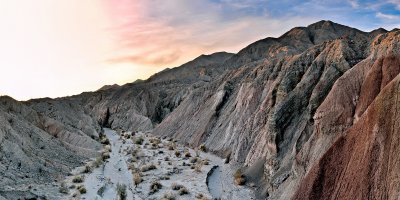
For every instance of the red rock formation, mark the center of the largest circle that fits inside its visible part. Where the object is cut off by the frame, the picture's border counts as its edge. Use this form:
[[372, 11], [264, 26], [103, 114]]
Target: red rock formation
[[364, 163]]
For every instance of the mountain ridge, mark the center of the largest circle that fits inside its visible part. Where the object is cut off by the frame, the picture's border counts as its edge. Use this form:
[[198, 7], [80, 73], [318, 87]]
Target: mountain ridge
[[285, 100]]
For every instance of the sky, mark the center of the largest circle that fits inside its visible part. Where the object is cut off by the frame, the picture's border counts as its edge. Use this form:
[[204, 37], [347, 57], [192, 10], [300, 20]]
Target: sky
[[54, 48]]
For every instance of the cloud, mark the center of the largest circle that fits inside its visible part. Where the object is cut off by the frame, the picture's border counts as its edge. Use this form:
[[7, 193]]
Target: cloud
[[148, 31], [387, 16], [354, 4], [158, 59], [169, 33], [396, 3]]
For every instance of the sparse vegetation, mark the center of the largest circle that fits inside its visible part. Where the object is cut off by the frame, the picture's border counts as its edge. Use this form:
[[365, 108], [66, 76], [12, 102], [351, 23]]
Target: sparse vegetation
[[137, 178], [201, 196], [121, 190], [177, 154], [87, 169], [149, 167], [107, 148], [239, 177], [82, 189], [203, 148], [104, 141], [155, 141], [164, 178], [176, 186], [187, 154], [154, 187], [183, 191], [193, 160], [63, 188], [169, 196], [198, 167], [105, 156], [78, 179], [98, 162], [139, 140]]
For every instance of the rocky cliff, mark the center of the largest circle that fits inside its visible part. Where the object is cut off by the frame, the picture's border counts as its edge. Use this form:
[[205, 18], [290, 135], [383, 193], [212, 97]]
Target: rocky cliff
[[317, 104]]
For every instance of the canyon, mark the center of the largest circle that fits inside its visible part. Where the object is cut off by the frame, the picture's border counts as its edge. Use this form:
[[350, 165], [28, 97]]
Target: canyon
[[312, 114]]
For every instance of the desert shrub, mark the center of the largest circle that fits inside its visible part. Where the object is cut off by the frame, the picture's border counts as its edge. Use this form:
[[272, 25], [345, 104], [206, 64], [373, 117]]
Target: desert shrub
[[105, 141], [134, 169], [149, 167], [177, 154], [171, 146], [121, 190], [198, 167], [82, 189], [166, 158], [107, 148], [78, 179], [155, 141], [139, 141], [136, 152], [239, 177], [183, 191], [193, 160], [87, 169], [203, 148], [98, 162], [137, 178], [105, 156], [187, 154], [155, 186], [165, 178], [201, 196], [176, 186], [63, 188], [169, 196]]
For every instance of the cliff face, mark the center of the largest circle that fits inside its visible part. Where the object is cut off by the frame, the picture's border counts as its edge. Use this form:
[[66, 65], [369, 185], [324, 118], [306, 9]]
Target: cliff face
[[311, 103]]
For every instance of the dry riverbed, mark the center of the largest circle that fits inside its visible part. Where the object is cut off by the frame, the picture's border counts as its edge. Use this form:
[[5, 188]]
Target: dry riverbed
[[141, 166]]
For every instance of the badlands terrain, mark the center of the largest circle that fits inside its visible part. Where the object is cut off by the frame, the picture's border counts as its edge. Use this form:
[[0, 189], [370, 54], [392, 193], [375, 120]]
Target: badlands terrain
[[312, 114]]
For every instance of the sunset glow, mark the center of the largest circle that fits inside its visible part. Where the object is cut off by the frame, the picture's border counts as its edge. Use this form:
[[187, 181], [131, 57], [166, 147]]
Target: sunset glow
[[64, 47]]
